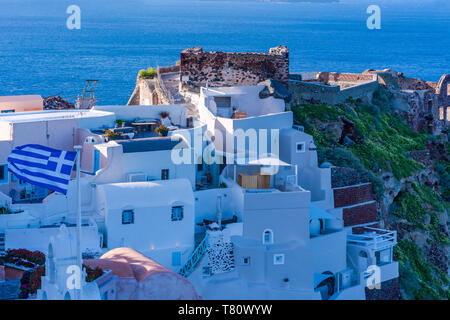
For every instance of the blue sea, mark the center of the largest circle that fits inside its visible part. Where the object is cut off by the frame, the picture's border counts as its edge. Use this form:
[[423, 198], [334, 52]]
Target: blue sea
[[39, 55]]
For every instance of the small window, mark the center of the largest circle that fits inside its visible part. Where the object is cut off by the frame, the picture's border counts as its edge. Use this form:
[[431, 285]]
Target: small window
[[177, 213], [128, 217], [300, 147], [165, 174], [441, 113], [267, 237], [8, 111], [246, 261], [278, 259], [4, 173]]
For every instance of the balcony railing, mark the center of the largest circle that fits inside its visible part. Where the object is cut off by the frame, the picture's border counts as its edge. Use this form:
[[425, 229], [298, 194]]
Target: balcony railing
[[373, 238]]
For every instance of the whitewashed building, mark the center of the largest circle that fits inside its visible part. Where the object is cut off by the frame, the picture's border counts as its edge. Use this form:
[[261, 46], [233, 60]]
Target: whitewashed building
[[261, 223]]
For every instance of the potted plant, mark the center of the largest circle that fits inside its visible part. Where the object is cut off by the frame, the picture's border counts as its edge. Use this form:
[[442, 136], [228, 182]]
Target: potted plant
[[120, 123], [162, 131], [111, 135]]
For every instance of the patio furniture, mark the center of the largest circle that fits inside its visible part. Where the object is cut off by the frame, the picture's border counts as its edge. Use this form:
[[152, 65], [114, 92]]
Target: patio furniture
[[239, 114], [167, 123], [145, 126]]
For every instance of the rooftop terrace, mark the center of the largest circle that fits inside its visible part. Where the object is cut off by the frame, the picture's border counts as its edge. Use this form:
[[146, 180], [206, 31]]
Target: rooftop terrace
[[47, 115]]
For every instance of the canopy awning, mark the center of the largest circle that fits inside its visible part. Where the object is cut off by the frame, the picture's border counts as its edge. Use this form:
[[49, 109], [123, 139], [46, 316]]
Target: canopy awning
[[270, 161]]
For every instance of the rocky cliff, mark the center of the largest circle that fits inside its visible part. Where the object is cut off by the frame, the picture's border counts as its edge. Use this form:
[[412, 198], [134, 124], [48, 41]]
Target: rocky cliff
[[410, 173]]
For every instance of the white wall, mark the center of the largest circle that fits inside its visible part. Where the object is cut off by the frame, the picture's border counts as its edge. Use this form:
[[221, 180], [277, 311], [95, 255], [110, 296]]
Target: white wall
[[153, 232], [329, 252], [151, 163], [177, 113], [206, 204], [153, 228], [246, 98], [39, 238]]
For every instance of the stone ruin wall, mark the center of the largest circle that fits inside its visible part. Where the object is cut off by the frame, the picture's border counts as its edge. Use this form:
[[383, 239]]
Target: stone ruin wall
[[332, 88], [219, 69], [424, 103], [345, 80], [148, 92]]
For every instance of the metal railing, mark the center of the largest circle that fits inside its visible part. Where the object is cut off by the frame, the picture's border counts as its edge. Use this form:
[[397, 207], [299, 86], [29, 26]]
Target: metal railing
[[195, 258], [374, 238]]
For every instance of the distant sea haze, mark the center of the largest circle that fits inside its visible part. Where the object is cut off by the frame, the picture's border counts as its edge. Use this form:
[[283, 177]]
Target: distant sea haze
[[308, 1], [39, 55]]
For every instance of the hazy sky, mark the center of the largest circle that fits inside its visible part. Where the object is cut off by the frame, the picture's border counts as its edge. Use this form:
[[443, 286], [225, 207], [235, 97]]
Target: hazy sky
[[118, 7]]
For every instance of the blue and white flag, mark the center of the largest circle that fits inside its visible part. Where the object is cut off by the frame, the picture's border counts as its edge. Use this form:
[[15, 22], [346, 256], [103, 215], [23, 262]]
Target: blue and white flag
[[42, 166]]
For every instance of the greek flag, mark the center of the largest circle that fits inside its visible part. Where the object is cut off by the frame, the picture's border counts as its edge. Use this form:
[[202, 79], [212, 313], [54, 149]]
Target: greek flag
[[42, 166]]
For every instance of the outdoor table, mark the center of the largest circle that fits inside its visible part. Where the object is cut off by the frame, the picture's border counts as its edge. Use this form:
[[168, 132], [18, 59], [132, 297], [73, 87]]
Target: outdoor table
[[140, 125]]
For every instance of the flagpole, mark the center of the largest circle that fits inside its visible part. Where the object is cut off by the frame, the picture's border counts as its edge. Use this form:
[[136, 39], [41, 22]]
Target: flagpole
[[79, 254]]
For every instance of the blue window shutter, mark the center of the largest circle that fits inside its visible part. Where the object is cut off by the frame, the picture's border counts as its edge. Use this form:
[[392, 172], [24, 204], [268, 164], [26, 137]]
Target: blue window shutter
[[96, 160]]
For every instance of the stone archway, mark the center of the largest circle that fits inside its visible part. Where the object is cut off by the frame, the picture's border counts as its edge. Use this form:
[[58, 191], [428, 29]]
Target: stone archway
[[155, 100], [442, 88], [444, 96]]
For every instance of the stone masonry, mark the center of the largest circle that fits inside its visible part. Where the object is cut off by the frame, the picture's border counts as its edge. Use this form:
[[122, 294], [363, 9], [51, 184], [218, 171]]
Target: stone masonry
[[218, 69]]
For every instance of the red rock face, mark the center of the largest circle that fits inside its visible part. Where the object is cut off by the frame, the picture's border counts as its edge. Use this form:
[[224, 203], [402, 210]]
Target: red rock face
[[360, 214], [353, 78], [234, 69], [390, 290], [352, 195]]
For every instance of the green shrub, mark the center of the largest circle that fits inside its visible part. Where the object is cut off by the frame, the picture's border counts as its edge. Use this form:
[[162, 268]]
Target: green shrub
[[419, 279], [149, 73], [429, 196]]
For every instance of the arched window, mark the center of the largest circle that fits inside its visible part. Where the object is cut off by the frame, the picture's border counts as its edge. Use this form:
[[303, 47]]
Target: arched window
[[67, 296], [128, 217], [363, 254], [267, 236]]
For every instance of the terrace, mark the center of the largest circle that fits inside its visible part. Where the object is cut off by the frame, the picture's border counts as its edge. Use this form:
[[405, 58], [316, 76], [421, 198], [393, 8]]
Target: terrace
[[266, 175], [239, 102], [370, 250], [139, 128], [373, 238]]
